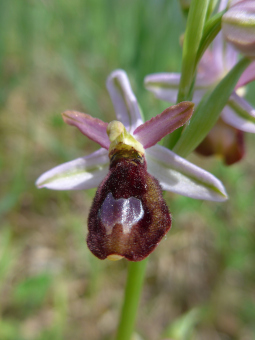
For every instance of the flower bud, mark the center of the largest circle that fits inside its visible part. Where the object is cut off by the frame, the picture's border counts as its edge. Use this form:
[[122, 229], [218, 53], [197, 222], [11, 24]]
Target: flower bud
[[238, 26]]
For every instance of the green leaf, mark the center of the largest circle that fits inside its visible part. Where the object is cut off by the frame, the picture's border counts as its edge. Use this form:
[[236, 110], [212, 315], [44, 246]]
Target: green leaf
[[211, 7], [211, 29], [183, 328]]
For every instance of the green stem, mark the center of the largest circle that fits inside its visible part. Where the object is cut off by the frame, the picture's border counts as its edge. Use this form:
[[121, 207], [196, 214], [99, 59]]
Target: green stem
[[193, 34], [136, 273], [191, 43], [211, 29]]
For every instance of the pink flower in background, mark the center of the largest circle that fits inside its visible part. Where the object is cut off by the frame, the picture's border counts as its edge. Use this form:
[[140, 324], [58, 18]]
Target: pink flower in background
[[238, 115]]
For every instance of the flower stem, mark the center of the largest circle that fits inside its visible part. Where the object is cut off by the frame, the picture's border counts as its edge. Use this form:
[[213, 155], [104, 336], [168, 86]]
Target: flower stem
[[192, 38], [135, 278]]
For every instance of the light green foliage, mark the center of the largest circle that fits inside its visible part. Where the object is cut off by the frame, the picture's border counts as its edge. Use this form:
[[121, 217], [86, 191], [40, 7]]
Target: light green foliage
[[191, 43], [56, 55], [183, 327]]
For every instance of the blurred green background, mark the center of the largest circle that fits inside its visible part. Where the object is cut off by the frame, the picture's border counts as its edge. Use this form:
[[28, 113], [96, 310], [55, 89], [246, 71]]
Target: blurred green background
[[56, 55]]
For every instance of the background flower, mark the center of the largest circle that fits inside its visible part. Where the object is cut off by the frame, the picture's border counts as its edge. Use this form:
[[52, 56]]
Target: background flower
[[238, 114], [238, 26]]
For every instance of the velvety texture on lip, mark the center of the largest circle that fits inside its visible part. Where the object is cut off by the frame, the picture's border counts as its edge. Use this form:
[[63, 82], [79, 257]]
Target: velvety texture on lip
[[128, 177]]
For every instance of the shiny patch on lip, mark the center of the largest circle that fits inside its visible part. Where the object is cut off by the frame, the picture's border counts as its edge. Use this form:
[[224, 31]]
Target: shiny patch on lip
[[125, 212]]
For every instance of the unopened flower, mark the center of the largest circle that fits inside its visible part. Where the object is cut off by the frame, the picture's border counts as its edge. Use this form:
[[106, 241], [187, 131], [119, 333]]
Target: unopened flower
[[216, 62], [129, 216], [238, 26]]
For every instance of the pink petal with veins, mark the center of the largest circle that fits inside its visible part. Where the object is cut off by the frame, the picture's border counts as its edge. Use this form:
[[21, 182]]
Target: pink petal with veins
[[93, 128], [158, 127]]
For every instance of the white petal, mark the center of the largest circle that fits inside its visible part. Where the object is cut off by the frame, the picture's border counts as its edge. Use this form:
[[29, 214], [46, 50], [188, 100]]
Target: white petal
[[165, 86], [178, 175], [124, 101], [239, 114], [79, 174]]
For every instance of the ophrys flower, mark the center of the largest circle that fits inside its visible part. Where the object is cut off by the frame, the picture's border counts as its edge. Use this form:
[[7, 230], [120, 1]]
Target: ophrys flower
[[129, 216]]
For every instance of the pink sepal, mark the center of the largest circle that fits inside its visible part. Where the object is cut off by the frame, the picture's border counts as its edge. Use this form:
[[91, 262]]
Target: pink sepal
[[93, 128], [152, 131]]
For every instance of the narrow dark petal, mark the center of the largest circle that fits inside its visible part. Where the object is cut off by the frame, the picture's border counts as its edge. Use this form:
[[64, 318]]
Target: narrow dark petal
[[129, 216]]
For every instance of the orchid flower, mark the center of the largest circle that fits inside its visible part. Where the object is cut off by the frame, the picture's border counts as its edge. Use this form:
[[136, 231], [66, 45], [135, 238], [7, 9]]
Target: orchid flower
[[134, 143], [238, 115]]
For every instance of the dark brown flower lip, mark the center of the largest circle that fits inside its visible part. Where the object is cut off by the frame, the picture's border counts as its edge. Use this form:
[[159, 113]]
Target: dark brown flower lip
[[129, 216]]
